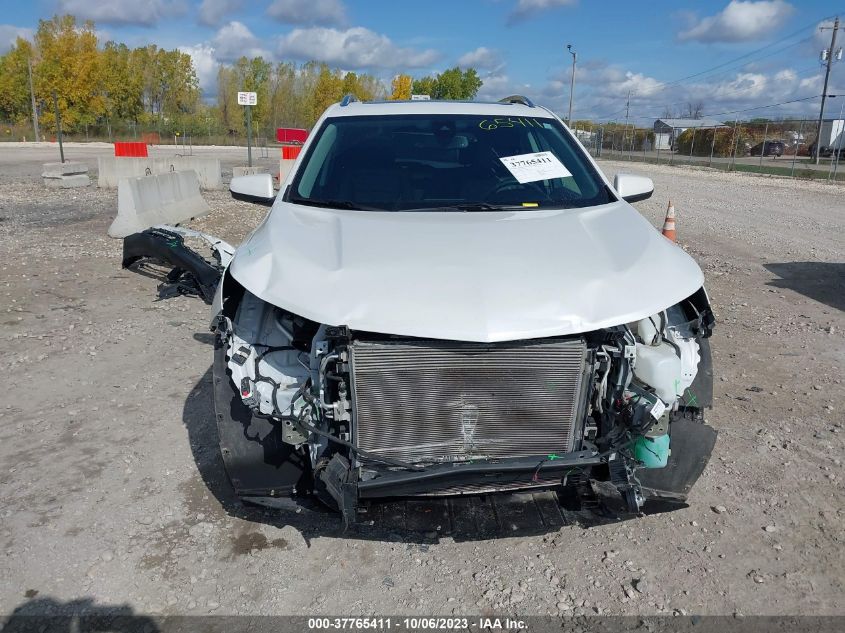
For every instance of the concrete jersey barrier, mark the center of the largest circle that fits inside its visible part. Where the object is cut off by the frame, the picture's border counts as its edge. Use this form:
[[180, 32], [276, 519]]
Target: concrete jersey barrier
[[168, 198], [113, 168]]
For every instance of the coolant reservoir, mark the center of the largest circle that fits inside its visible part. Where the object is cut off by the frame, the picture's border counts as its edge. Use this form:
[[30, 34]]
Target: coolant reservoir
[[660, 368]]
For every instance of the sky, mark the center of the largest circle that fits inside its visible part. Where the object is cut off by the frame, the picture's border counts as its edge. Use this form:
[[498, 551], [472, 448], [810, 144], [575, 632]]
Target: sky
[[728, 56]]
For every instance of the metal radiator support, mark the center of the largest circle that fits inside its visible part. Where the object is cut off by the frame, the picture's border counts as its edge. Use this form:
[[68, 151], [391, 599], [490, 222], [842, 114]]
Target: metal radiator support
[[431, 401]]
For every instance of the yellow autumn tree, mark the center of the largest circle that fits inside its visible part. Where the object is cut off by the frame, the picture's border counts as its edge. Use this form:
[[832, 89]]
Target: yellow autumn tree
[[328, 89], [401, 86], [15, 104], [69, 64]]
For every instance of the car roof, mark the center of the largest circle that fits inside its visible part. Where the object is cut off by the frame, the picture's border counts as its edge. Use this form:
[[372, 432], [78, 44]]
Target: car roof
[[381, 108]]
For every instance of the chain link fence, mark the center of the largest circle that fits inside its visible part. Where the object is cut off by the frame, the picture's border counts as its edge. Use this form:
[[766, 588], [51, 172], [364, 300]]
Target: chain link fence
[[191, 132], [779, 148]]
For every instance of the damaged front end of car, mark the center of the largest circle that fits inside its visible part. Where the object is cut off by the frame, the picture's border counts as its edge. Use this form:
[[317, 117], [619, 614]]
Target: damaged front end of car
[[305, 408]]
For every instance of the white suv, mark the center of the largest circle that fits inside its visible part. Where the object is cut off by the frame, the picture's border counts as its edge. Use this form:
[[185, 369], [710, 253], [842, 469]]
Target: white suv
[[451, 298]]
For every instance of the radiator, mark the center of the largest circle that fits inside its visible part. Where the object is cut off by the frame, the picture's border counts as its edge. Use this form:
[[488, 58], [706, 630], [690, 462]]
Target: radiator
[[441, 401]]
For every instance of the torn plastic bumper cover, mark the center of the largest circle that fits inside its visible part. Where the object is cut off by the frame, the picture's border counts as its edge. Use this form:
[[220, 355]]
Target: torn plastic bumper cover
[[192, 273]]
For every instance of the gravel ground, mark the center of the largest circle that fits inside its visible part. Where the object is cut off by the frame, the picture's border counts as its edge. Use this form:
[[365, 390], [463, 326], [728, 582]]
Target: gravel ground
[[112, 494]]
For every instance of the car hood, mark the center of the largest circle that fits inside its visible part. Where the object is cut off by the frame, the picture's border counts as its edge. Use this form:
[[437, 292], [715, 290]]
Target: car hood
[[468, 276]]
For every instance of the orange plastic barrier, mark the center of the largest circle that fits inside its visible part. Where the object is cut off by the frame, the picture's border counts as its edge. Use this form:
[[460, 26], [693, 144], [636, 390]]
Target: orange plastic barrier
[[290, 152]]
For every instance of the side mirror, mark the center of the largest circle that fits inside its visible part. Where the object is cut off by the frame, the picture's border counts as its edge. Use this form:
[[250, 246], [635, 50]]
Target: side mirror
[[256, 188], [633, 188]]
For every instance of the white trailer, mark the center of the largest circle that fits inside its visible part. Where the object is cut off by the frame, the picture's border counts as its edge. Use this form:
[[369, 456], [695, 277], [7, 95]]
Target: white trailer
[[831, 138]]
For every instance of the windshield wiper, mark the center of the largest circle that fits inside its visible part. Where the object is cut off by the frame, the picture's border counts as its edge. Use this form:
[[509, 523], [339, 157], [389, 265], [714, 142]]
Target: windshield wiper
[[482, 206], [471, 206], [331, 204]]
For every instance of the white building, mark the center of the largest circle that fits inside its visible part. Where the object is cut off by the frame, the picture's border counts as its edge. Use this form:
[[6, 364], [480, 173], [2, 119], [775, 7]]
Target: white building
[[666, 131]]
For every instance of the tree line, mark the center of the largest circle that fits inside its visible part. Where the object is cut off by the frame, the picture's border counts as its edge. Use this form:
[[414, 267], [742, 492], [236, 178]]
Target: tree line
[[92, 83], [112, 86]]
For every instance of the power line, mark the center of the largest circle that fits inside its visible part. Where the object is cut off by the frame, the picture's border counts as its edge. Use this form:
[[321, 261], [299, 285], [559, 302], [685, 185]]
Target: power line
[[646, 115], [799, 74], [771, 105], [749, 54], [663, 86]]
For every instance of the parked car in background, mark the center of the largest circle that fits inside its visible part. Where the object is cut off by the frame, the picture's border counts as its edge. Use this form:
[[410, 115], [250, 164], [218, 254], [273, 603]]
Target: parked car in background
[[768, 148], [827, 152]]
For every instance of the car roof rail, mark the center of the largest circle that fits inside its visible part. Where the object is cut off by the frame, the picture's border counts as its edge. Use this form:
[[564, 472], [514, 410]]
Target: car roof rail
[[518, 99], [347, 99]]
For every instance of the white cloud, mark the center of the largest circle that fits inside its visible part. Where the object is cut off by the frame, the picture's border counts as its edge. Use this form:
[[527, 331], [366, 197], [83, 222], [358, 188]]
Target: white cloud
[[482, 58], [601, 92], [9, 35], [498, 86], [212, 12], [786, 75], [528, 8], [740, 21], [138, 12], [743, 86], [353, 48], [235, 40], [308, 12], [205, 65], [606, 80]]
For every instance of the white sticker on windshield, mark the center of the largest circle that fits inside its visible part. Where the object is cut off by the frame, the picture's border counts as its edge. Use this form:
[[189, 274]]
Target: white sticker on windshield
[[534, 167]]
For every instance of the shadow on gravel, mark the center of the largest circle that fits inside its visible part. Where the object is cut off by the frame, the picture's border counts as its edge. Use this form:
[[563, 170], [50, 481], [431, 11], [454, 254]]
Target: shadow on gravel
[[822, 281], [422, 520], [48, 615]]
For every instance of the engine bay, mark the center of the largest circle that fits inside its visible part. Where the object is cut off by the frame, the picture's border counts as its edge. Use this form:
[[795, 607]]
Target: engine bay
[[377, 415]]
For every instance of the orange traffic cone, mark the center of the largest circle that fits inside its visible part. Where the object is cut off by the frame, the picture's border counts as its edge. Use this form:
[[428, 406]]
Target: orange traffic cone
[[669, 224]]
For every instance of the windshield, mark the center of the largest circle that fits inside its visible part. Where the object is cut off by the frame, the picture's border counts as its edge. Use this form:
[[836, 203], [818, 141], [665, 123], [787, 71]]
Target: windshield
[[435, 162]]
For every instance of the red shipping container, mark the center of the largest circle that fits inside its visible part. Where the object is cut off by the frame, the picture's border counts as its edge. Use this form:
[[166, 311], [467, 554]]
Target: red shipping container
[[134, 149], [290, 152], [291, 135]]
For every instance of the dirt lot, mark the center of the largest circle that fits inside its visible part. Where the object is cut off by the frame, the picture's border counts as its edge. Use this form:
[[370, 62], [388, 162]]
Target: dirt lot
[[112, 493]]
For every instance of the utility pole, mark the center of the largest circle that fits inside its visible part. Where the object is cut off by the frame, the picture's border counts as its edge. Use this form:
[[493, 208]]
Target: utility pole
[[572, 82], [830, 53], [627, 107], [34, 108]]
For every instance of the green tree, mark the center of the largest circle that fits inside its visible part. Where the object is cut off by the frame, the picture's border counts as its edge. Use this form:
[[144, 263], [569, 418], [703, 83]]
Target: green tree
[[121, 87], [451, 84], [169, 82], [425, 86]]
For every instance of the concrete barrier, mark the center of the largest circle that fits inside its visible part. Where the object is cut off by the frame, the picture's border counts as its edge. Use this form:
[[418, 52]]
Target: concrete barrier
[[247, 171], [168, 198], [112, 169], [208, 169], [68, 182], [57, 170], [65, 175]]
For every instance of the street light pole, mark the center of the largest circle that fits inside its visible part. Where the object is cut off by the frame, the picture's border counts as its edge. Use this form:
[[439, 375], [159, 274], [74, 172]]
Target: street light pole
[[572, 82]]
